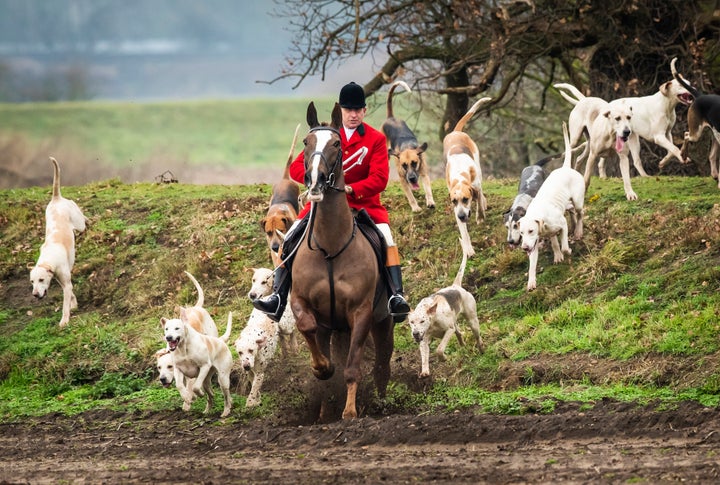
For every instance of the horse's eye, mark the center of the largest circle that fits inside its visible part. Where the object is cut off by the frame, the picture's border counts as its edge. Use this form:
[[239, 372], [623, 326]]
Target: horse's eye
[[337, 143], [305, 142]]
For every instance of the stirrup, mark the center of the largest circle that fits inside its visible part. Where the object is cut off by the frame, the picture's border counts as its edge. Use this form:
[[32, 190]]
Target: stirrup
[[398, 308]]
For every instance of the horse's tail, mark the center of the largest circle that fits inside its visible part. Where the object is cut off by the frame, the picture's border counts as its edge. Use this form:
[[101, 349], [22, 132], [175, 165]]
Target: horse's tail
[[461, 270], [404, 85], [201, 294], [461, 124], [578, 96], [682, 80], [286, 173], [56, 179]]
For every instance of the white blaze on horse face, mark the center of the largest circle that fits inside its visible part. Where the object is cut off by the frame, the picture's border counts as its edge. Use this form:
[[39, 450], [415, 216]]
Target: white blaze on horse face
[[322, 138]]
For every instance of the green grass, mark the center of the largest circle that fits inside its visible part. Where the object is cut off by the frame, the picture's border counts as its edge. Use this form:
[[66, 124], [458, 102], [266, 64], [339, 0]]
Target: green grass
[[630, 315], [231, 133]]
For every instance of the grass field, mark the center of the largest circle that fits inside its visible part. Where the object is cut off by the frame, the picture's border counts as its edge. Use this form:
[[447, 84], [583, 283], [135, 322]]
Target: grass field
[[632, 314], [100, 140]]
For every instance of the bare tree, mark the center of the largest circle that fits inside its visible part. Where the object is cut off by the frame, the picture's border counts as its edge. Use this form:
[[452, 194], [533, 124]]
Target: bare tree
[[464, 48]]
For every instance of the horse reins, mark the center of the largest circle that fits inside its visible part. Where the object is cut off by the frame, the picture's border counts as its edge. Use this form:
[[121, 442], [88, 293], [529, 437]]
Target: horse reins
[[329, 184]]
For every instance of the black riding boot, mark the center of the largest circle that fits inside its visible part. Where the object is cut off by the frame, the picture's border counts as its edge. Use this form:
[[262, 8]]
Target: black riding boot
[[274, 304], [397, 306]]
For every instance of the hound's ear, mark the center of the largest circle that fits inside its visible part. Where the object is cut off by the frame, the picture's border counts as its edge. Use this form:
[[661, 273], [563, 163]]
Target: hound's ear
[[393, 153], [250, 270], [432, 309], [30, 265], [422, 148], [541, 224], [163, 320], [262, 223], [665, 88], [261, 341]]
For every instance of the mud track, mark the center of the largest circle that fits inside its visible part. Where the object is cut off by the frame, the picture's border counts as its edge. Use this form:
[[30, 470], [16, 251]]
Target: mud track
[[610, 443]]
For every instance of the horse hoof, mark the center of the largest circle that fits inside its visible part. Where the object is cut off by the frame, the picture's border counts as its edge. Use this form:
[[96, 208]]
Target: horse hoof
[[324, 374]]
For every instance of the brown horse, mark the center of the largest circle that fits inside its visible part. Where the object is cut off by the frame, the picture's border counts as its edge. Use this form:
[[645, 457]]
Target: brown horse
[[337, 285]]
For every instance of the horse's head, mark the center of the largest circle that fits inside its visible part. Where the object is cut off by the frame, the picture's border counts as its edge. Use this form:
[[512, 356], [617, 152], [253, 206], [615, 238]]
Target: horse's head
[[323, 154]]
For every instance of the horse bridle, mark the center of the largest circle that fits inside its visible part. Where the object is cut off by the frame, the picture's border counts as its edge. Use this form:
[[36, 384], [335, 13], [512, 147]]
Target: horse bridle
[[330, 182]]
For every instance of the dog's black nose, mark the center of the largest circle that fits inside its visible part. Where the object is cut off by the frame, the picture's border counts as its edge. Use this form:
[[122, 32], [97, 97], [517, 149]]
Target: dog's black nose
[[626, 134]]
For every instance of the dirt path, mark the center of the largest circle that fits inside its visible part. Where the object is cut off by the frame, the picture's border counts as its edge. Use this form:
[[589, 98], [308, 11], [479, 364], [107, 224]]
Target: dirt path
[[612, 443]]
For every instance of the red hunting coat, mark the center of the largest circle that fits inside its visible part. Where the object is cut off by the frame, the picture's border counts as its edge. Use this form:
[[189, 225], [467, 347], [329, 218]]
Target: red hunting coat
[[365, 161]]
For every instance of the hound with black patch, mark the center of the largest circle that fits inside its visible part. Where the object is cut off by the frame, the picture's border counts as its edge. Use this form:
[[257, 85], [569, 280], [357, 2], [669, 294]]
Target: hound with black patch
[[57, 254], [531, 178], [703, 112], [409, 154], [464, 176], [545, 217], [436, 316]]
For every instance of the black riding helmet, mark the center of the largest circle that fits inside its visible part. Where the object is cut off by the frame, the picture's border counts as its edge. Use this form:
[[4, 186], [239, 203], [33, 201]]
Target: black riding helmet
[[352, 96]]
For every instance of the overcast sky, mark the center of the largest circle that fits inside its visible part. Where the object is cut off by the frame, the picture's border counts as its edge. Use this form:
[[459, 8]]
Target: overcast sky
[[132, 58]]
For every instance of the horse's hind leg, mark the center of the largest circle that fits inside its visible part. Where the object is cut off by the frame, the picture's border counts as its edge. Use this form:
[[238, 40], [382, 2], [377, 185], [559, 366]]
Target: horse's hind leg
[[383, 338]]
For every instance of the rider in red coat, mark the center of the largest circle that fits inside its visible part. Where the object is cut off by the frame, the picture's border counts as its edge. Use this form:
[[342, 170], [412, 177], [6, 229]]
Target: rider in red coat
[[366, 167]]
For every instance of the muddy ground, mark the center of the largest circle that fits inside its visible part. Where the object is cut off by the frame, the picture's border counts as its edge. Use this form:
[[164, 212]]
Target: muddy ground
[[611, 443]]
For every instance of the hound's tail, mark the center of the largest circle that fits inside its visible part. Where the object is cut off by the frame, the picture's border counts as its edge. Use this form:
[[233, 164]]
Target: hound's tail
[[286, 173], [56, 179], [404, 85], [543, 161], [568, 149], [226, 336], [461, 124], [578, 96], [201, 295], [461, 270], [682, 80]]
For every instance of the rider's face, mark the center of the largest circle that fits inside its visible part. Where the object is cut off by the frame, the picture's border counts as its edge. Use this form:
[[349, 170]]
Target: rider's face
[[352, 118]]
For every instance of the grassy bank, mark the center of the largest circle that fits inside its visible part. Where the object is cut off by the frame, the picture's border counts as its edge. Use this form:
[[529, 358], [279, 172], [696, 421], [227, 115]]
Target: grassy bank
[[632, 314]]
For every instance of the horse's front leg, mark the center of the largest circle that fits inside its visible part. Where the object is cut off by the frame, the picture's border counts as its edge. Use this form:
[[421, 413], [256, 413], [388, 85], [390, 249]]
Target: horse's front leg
[[307, 325], [360, 329]]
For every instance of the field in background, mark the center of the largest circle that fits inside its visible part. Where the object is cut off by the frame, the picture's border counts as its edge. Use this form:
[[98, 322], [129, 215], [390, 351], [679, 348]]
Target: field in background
[[226, 142]]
